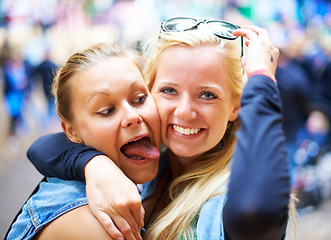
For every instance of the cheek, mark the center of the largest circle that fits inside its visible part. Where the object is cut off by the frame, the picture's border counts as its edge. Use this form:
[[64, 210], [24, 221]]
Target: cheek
[[163, 109], [100, 135], [218, 121], [218, 132], [158, 103], [164, 117], [151, 116], [152, 120], [163, 120], [151, 113]]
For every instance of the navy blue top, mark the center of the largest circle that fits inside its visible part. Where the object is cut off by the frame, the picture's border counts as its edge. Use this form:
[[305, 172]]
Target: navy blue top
[[259, 186]]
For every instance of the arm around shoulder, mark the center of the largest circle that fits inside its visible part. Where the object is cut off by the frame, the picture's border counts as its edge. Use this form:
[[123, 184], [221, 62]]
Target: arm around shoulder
[[53, 155]]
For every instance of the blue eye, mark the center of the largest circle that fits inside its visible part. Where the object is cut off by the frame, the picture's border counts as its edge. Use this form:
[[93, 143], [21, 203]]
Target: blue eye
[[106, 112], [208, 95], [140, 99], [168, 90]]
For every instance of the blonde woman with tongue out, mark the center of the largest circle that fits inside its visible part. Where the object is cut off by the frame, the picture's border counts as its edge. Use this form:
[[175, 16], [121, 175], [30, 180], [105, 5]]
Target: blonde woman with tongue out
[[194, 71], [103, 104]]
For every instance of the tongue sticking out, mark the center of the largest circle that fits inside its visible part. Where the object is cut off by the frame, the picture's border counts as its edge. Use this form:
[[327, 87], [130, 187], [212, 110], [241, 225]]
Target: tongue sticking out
[[141, 149]]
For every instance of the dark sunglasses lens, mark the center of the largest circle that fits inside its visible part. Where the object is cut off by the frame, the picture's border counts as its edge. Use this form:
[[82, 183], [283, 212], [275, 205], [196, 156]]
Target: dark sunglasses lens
[[222, 29], [179, 24]]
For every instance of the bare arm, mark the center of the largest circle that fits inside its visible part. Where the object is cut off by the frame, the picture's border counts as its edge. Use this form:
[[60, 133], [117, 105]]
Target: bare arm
[[79, 223]]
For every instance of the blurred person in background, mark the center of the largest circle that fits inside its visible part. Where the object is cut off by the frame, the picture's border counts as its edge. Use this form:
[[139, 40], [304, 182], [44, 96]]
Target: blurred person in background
[[17, 73], [311, 176], [45, 72], [294, 89], [326, 80], [4, 52], [302, 87]]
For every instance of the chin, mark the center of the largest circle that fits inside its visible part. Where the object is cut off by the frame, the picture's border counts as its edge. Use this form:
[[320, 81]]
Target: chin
[[143, 180], [144, 177], [181, 151]]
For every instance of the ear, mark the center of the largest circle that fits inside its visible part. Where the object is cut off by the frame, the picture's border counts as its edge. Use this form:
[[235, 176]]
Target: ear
[[233, 116], [71, 132]]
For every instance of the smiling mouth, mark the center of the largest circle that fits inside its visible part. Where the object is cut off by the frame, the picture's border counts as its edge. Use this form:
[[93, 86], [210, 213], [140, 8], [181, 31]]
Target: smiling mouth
[[140, 149], [186, 131]]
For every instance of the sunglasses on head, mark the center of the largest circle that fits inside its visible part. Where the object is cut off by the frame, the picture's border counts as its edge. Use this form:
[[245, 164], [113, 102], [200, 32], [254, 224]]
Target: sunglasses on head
[[221, 29]]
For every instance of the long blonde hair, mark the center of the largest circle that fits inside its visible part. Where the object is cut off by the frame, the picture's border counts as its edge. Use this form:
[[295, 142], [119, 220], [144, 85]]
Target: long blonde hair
[[189, 191]]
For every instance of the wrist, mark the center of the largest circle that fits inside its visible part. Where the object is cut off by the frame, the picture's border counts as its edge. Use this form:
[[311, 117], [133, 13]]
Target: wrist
[[99, 164], [263, 72]]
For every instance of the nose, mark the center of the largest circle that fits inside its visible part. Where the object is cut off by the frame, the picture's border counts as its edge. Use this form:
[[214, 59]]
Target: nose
[[185, 108], [130, 116]]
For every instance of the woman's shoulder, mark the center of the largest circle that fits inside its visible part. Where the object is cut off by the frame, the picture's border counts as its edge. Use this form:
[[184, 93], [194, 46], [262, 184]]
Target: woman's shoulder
[[79, 223], [54, 198]]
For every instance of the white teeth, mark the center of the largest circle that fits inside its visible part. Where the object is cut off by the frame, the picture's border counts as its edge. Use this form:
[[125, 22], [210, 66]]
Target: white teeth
[[185, 131]]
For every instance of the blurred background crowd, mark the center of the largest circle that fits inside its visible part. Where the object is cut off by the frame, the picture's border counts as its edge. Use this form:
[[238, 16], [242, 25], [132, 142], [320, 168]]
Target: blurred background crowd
[[36, 36]]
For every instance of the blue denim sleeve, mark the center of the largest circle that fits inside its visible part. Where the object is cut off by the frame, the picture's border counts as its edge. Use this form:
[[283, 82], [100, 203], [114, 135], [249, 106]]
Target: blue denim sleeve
[[259, 186], [54, 155]]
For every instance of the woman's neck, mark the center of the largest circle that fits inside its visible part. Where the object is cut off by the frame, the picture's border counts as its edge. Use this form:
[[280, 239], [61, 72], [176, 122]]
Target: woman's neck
[[178, 164]]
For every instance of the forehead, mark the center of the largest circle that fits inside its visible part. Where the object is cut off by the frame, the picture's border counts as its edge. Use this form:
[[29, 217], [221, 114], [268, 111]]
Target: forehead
[[192, 57], [114, 67], [114, 76], [204, 63], [117, 70], [186, 50]]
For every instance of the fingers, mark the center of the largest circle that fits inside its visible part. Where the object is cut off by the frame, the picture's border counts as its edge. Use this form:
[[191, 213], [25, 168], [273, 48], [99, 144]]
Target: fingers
[[128, 216], [124, 219], [118, 226], [261, 32], [109, 225], [138, 214], [261, 53], [245, 32], [127, 226], [130, 221], [121, 218], [250, 32]]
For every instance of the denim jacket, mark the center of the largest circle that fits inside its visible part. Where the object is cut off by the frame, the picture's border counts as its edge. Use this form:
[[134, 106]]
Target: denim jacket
[[54, 198]]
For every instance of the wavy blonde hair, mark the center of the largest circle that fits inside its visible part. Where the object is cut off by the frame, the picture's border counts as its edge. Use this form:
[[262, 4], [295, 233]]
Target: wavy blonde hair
[[189, 191]]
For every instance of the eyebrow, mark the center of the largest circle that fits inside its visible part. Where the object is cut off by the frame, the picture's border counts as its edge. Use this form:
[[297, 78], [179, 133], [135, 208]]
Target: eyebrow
[[100, 92], [168, 83], [107, 92], [206, 87], [202, 87]]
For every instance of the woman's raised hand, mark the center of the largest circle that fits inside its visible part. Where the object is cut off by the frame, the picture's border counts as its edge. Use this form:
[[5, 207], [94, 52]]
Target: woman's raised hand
[[261, 53]]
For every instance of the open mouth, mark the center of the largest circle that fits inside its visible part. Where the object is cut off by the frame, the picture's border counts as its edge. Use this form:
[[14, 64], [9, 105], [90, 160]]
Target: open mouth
[[140, 149]]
